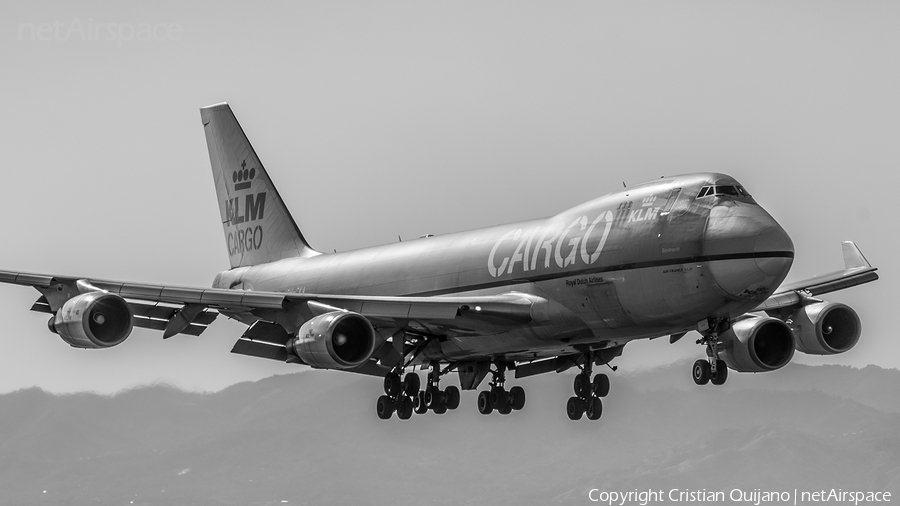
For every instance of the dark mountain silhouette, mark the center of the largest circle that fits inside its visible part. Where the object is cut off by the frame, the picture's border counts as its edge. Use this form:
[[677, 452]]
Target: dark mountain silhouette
[[313, 438]]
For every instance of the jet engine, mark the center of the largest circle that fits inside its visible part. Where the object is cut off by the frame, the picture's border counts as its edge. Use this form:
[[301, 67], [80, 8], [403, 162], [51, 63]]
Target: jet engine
[[825, 328], [757, 344], [336, 340], [93, 320]]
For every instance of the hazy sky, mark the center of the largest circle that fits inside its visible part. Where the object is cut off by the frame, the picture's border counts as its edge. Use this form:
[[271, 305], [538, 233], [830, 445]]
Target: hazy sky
[[379, 119]]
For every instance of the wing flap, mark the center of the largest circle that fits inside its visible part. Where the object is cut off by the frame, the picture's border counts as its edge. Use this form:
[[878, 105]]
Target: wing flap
[[259, 349]]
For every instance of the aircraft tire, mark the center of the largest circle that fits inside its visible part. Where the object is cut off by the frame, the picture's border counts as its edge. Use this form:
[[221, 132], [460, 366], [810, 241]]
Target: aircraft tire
[[701, 372], [432, 396], [392, 384], [440, 408], [384, 407], [721, 373], [411, 383], [601, 385], [419, 403], [499, 398], [594, 408], [505, 410], [517, 397], [404, 408], [484, 402], [582, 385], [575, 408], [452, 395]]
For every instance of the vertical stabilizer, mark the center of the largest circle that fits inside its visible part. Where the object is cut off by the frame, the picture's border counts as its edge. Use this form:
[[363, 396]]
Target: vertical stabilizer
[[258, 227]]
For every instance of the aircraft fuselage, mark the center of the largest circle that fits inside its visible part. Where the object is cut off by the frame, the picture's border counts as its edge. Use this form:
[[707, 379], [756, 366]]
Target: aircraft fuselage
[[645, 261]]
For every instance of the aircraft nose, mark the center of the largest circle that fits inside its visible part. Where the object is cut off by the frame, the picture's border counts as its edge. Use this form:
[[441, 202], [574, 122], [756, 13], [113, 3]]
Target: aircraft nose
[[749, 253]]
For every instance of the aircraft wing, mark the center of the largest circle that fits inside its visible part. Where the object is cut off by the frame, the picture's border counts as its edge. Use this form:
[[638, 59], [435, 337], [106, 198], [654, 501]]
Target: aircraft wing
[[175, 310], [857, 270]]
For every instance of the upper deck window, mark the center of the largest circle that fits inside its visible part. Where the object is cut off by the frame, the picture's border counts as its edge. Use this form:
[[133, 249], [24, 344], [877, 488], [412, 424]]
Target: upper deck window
[[723, 190]]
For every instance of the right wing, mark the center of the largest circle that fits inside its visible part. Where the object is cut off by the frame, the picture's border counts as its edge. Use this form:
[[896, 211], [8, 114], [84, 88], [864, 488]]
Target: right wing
[[857, 270]]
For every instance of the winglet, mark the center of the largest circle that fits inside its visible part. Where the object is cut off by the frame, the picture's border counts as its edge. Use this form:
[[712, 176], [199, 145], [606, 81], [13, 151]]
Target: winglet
[[853, 258]]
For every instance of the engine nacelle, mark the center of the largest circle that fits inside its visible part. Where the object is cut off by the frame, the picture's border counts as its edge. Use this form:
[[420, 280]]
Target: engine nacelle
[[825, 328], [757, 344], [336, 340], [93, 320]]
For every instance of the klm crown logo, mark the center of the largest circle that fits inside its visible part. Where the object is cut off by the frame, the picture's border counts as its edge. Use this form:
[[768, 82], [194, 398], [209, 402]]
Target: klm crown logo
[[243, 177]]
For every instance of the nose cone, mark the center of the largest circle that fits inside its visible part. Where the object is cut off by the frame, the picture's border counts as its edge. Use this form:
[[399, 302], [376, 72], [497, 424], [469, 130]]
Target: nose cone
[[749, 253]]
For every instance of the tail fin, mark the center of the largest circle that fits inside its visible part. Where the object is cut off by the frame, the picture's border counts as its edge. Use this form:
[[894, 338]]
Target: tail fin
[[258, 227]]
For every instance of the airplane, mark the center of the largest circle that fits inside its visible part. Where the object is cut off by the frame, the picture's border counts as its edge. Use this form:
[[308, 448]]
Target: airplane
[[685, 253]]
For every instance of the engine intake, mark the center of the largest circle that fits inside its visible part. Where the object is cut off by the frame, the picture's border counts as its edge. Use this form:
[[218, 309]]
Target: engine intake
[[93, 320], [757, 344], [336, 340], [825, 328]]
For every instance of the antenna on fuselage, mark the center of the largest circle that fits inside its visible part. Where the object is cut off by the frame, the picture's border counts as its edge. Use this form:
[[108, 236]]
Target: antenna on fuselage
[[623, 185]]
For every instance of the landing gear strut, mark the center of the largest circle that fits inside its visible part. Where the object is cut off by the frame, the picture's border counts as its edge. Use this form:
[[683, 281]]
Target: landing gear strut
[[498, 398], [588, 392], [712, 369], [405, 397]]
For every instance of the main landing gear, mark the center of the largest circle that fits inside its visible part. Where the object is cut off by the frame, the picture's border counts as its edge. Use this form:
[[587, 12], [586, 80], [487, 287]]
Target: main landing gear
[[405, 397], [587, 393], [711, 369], [498, 398]]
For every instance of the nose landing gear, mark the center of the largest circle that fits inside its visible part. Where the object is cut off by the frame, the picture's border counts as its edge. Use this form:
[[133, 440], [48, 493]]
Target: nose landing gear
[[712, 369]]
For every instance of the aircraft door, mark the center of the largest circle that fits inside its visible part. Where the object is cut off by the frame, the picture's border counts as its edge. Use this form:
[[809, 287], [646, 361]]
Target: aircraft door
[[670, 207], [680, 231]]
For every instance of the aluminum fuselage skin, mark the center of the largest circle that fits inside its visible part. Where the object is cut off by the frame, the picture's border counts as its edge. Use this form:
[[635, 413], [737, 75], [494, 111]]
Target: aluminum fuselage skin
[[645, 261]]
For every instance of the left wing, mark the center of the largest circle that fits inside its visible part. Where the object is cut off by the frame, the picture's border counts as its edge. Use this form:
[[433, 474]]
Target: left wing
[[175, 310]]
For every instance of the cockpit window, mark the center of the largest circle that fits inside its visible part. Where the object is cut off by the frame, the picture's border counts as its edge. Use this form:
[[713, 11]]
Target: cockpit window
[[723, 190]]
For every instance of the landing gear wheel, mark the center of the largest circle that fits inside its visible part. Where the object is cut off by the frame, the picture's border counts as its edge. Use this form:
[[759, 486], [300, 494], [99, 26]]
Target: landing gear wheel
[[411, 383], [499, 398], [575, 408], [420, 407], [582, 385], [600, 386], [701, 372], [505, 410], [392, 384], [721, 373], [517, 397], [432, 396], [484, 402], [440, 408], [404, 407], [594, 408], [451, 394], [384, 407]]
